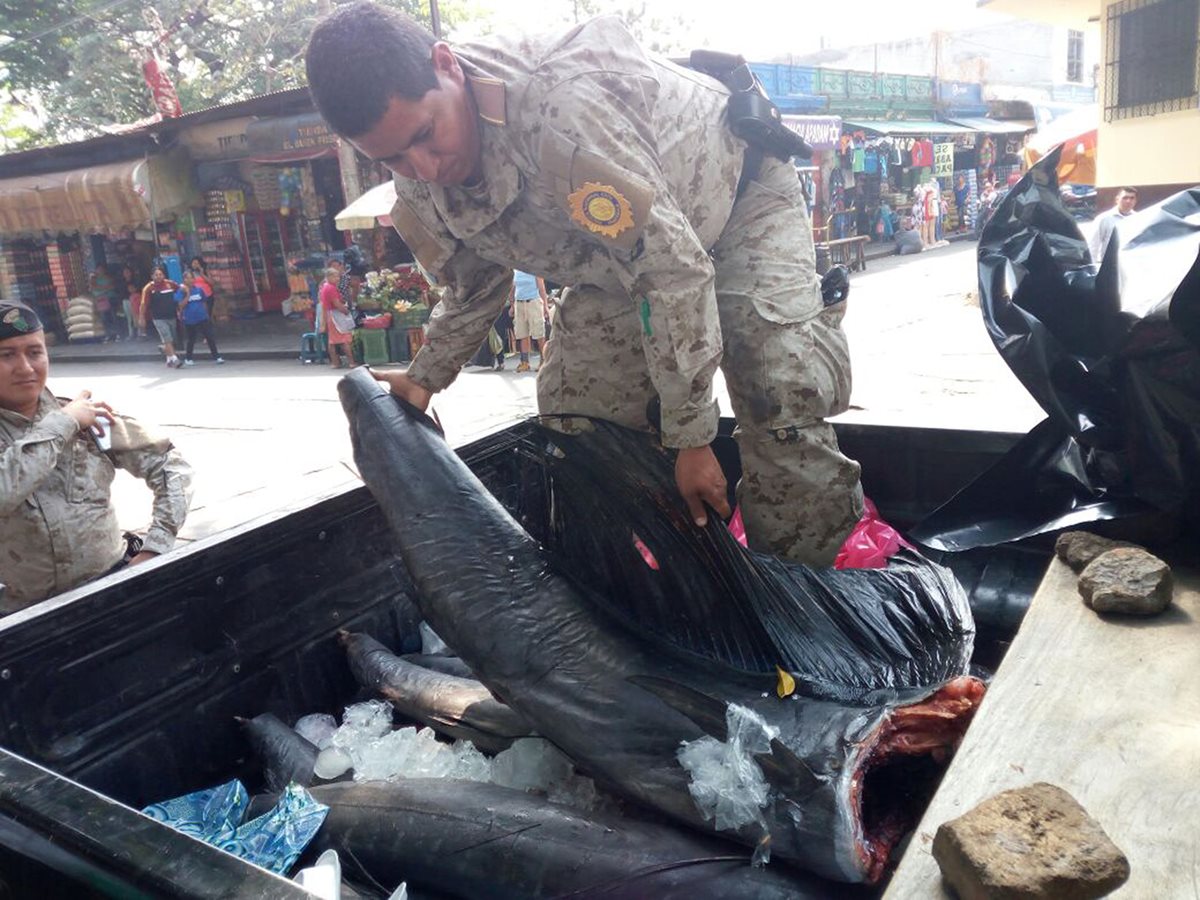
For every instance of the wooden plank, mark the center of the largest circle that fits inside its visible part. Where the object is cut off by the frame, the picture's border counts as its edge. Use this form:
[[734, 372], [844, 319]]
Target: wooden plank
[[1108, 709]]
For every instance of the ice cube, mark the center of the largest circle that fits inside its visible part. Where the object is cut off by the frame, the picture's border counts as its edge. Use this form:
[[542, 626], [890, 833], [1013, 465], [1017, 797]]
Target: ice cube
[[331, 762], [317, 728]]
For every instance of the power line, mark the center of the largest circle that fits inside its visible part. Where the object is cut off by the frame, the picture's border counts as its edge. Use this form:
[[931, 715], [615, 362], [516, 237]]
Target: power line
[[46, 32]]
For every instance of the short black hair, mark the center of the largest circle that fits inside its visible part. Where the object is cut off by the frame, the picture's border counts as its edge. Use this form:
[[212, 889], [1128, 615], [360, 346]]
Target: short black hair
[[1127, 190], [361, 56]]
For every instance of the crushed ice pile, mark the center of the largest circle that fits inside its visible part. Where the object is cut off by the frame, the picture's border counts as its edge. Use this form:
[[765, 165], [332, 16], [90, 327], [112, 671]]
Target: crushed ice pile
[[727, 783], [366, 743]]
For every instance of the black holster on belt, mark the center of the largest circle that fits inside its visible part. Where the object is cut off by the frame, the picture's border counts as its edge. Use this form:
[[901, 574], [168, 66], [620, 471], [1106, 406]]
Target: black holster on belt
[[752, 115]]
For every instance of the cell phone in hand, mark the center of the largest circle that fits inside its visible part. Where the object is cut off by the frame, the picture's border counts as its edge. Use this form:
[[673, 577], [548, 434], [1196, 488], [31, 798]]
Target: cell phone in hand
[[103, 438]]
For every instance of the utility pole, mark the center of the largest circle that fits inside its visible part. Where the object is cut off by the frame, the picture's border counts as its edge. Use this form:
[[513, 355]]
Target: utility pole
[[435, 19]]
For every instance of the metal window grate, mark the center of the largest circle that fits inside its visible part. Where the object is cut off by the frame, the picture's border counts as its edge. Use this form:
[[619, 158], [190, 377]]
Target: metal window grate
[[1152, 63]]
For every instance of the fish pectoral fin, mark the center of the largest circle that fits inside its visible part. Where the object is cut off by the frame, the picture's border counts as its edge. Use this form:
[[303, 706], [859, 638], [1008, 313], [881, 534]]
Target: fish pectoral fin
[[787, 772], [705, 710]]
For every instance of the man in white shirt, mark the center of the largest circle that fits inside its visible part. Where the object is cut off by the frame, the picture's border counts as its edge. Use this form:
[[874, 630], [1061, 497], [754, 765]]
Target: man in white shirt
[[1106, 223]]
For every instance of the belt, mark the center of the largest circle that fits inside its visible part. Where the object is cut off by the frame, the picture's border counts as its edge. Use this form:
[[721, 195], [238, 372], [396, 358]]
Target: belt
[[751, 165]]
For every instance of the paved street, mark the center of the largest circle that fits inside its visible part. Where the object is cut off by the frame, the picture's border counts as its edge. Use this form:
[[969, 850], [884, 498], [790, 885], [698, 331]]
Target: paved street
[[266, 435]]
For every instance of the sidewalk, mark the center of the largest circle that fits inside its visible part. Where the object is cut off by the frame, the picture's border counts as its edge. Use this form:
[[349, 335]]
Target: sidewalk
[[267, 336]]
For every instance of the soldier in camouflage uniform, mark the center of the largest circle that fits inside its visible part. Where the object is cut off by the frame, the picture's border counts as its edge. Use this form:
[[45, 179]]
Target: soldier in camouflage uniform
[[58, 527], [598, 166]]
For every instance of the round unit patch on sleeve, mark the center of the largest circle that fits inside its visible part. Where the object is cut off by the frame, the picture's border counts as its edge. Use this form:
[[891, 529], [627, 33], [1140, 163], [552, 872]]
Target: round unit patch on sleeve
[[600, 208]]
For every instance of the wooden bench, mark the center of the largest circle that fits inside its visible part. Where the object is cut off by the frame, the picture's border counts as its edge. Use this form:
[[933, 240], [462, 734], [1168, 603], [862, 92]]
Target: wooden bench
[[848, 252]]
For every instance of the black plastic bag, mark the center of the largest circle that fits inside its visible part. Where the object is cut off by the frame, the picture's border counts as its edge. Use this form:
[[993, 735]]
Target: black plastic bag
[[1112, 354]]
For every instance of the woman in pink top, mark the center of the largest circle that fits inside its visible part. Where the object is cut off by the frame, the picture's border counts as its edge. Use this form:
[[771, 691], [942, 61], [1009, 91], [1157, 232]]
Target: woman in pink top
[[339, 325]]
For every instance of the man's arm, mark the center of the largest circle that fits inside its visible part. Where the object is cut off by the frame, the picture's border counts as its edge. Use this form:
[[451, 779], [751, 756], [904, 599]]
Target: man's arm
[[26, 464], [475, 291], [28, 461], [1100, 235], [168, 475]]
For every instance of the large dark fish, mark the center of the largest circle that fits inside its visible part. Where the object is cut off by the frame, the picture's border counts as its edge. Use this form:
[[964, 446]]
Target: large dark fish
[[285, 755], [620, 704], [471, 840], [460, 708]]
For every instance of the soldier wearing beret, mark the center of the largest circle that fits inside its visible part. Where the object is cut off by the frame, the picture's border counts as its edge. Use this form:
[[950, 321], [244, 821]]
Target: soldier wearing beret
[[58, 527], [594, 164]]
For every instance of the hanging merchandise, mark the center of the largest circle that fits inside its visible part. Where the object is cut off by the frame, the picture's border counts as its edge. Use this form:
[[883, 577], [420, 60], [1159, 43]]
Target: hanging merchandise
[[1111, 354], [289, 189], [922, 154], [987, 153]]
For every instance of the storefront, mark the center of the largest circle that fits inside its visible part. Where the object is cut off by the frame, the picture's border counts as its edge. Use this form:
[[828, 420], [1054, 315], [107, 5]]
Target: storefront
[[57, 227], [822, 134], [929, 169], [269, 196]]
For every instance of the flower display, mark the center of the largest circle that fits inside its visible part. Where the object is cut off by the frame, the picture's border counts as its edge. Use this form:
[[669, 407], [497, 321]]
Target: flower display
[[396, 290]]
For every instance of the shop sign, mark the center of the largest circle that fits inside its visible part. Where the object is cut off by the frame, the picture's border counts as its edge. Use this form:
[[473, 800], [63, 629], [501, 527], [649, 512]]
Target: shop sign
[[289, 134], [960, 93], [235, 201], [819, 132], [943, 158]]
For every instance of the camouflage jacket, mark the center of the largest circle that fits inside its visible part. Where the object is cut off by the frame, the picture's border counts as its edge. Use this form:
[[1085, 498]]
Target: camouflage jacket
[[58, 527], [603, 165]]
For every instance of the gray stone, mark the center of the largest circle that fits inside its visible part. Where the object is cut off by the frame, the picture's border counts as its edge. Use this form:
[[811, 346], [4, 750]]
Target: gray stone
[[1030, 843], [1127, 580], [1078, 548]]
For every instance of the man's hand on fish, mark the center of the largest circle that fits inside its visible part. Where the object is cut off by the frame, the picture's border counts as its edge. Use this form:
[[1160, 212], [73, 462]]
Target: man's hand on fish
[[405, 388], [700, 480]]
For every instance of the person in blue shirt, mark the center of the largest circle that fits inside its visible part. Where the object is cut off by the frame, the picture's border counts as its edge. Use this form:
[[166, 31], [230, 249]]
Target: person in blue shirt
[[528, 314], [193, 300]]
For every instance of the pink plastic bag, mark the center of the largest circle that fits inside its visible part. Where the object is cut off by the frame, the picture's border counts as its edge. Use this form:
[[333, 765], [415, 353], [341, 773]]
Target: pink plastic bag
[[869, 546], [871, 543]]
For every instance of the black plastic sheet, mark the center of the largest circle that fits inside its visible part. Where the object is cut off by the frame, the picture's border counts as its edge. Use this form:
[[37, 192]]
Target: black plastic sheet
[[1111, 353], [843, 634]]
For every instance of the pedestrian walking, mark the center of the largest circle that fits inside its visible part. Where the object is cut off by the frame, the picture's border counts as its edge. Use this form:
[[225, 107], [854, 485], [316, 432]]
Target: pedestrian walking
[[339, 324], [158, 306], [194, 305]]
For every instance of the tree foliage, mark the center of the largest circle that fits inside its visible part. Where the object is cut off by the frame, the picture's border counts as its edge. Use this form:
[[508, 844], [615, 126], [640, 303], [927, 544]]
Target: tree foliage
[[74, 66]]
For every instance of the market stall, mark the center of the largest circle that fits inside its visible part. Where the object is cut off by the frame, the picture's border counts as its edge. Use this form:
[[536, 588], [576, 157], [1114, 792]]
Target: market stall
[[56, 228]]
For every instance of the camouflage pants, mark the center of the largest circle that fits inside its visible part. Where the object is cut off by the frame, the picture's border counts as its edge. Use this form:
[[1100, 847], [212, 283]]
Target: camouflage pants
[[786, 365]]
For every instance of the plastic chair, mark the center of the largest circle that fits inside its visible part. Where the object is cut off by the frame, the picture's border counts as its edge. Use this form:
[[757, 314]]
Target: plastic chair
[[312, 349]]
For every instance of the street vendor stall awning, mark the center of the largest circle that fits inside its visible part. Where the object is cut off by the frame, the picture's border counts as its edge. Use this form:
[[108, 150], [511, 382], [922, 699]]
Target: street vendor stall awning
[[994, 126], [108, 197], [905, 126], [375, 206]]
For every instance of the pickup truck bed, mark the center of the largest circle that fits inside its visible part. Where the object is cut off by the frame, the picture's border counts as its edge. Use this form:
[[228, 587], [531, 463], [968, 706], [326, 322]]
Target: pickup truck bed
[[129, 686]]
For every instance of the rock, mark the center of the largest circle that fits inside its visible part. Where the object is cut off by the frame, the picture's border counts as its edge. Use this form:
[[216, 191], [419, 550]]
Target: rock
[[1126, 580], [1030, 843], [1078, 548]]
